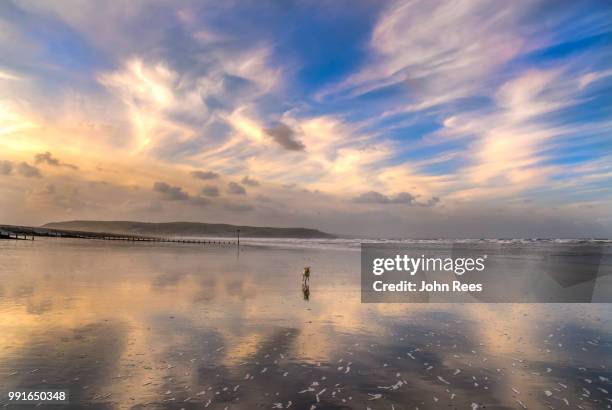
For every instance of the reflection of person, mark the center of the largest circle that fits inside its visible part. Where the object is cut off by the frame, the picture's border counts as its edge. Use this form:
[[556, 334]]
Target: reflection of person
[[306, 291], [306, 275]]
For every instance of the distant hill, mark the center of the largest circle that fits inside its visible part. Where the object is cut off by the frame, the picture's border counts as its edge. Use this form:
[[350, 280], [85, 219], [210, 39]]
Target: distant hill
[[186, 229]]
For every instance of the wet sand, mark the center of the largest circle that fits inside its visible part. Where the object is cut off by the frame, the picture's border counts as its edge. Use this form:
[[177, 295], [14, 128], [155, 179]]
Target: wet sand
[[173, 326]]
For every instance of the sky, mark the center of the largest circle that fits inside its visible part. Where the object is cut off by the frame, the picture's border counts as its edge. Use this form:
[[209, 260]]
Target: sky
[[372, 118]]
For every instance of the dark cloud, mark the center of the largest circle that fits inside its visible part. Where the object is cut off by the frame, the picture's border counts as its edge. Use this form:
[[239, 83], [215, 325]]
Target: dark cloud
[[71, 166], [433, 201], [250, 181], [285, 136], [49, 159], [6, 167], [205, 174], [28, 170], [235, 188], [210, 190], [174, 193], [403, 198], [373, 197]]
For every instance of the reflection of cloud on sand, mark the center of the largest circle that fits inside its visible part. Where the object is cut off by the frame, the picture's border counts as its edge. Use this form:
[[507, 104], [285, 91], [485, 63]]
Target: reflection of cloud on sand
[[84, 359], [190, 319]]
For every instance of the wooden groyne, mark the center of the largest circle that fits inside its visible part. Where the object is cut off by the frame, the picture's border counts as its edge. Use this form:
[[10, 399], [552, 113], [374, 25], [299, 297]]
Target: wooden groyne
[[28, 233], [15, 236]]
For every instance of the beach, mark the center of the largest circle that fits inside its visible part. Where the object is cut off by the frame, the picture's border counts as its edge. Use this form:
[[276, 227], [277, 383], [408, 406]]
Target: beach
[[185, 326]]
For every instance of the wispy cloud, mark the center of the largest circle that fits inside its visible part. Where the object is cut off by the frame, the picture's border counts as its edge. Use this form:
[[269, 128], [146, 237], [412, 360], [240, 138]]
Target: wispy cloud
[[431, 112], [449, 57]]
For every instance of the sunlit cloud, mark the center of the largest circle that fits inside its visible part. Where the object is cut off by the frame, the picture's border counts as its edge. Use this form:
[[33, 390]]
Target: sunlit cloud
[[434, 110]]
